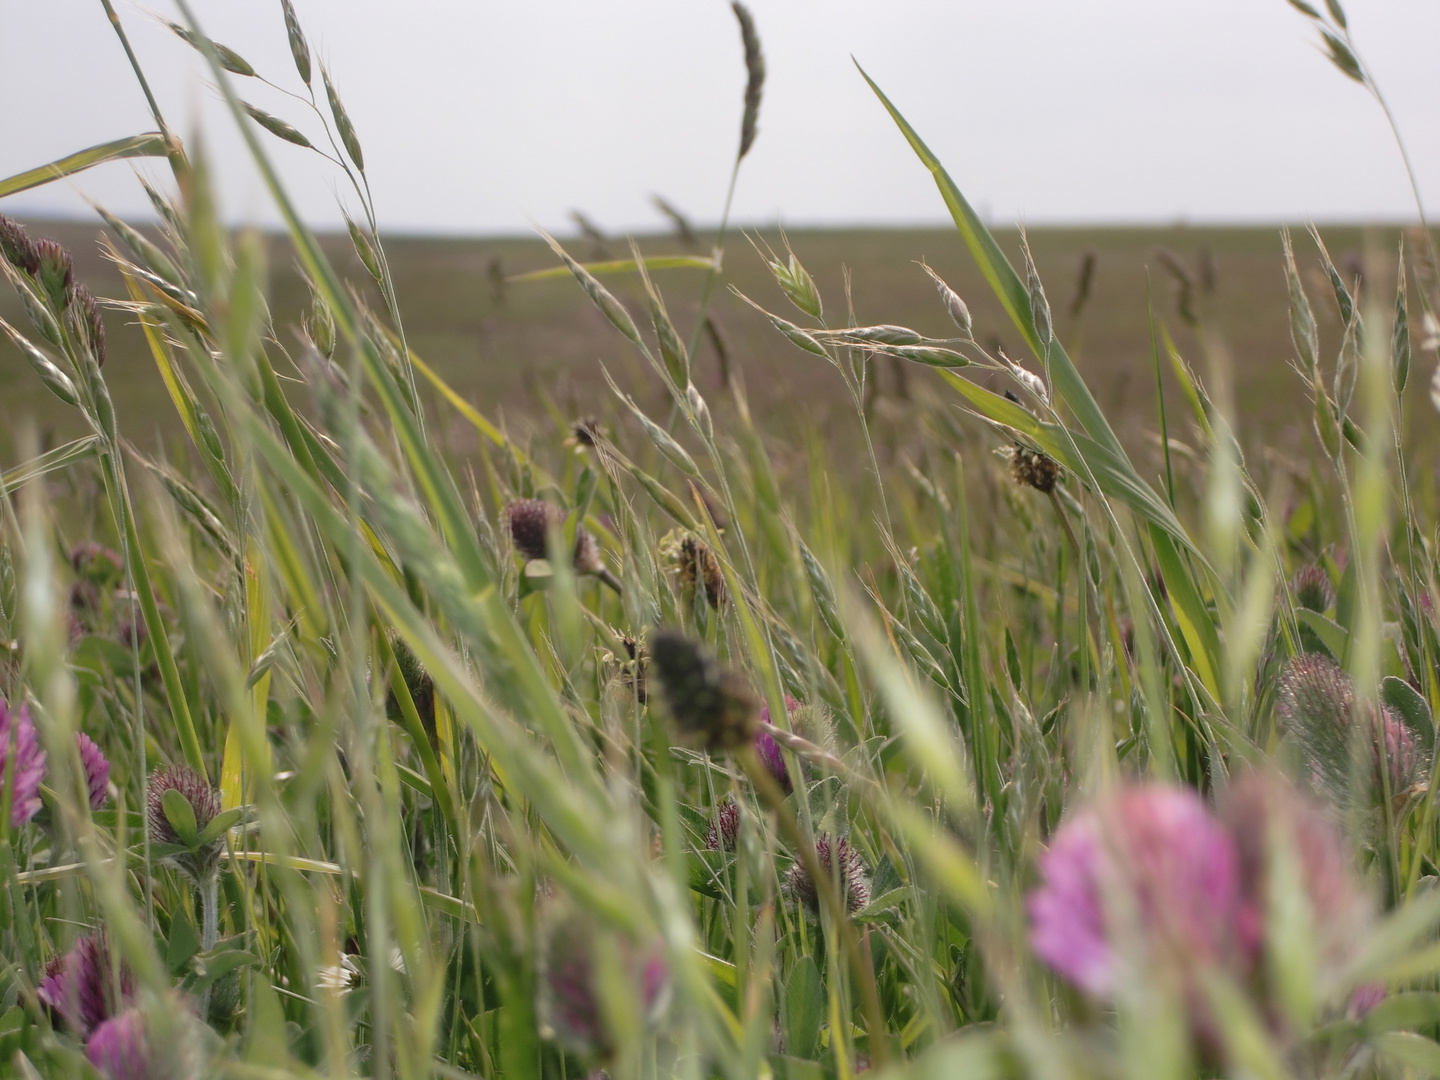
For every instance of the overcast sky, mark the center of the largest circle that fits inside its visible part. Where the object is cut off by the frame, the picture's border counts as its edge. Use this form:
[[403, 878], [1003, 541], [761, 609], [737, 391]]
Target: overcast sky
[[483, 117]]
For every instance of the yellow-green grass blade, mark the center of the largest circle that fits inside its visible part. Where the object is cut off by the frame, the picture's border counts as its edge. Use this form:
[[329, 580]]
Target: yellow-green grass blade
[[151, 144], [621, 266]]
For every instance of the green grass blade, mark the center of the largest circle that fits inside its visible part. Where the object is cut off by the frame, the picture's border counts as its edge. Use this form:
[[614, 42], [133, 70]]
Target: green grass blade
[[151, 144]]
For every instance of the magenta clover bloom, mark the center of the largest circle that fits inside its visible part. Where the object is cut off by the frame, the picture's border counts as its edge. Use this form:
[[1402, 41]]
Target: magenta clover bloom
[[18, 736], [97, 769], [79, 987], [769, 749], [119, 1049], [1146, 862]]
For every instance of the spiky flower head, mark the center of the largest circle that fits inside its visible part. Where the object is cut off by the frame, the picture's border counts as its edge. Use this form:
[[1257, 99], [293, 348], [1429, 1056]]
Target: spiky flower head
[[1144, 868], [17, 248], [724, 828], [1277, 827], [1031, 468], [22, 759], [1403, 762], [1312, 589], [81, 987], [572, 987], [529, 522], [97, 769], [180, 804], [1316, 703], [712, 706], [841, 861], [56, 273]]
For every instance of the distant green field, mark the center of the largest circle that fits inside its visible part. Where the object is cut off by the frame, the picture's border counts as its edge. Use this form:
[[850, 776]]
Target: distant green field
[[516, 350]]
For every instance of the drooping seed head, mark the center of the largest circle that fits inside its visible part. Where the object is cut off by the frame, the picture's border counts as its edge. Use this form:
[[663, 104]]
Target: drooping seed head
[[21, 758], [841, 861], [1312, 589], [712, 706], [97, 769], [1144, 869], [954, 306]]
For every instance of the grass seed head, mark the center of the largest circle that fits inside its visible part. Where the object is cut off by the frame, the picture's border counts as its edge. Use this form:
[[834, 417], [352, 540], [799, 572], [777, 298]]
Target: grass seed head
[[17, 248], [754, 76], [954, 306], [712, 706], [90, 323], [56, 273]]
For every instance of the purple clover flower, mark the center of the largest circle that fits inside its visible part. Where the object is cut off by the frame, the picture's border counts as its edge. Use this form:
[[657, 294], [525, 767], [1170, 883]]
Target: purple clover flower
[[854, 881], [97, 769], [120, 1049], [78, 987], [17, 732], [769, 749], [724, 828], [1146, 861]]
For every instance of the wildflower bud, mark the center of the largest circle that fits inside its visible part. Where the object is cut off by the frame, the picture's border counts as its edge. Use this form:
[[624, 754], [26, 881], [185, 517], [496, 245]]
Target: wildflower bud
[[724, 829], [840, 859], [56, 274], [79, 987], [97, 769], [711, 705], [571, 1005], [1312, 589], [769, 750], [181, 807], [18, 738], [1030, 468], [17, 248]]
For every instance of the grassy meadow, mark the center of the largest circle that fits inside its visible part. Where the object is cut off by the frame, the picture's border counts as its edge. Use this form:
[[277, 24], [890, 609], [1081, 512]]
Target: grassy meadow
[[430, 658]]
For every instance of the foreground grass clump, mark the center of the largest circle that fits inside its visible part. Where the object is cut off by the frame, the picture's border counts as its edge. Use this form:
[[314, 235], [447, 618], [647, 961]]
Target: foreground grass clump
[[327, 754]]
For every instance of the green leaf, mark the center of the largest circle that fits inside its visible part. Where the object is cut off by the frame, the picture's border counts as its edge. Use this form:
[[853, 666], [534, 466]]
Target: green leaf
[[1420, 1008], [1009, 289], [183, 943], [1410, 1049], [181, 816], [1334, 636], [804, 1009], [1413, 709], [621, 266], [222, 823], [151, 144]]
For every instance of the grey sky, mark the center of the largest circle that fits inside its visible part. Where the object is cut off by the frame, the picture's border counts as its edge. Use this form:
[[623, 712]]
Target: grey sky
[[484, 117]]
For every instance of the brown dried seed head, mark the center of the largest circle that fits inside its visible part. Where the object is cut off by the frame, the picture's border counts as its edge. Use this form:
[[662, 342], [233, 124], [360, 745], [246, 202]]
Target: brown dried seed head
[[1030, 468], [528, 522]]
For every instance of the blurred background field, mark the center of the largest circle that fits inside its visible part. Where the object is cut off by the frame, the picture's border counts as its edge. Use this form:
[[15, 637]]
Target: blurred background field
[[529, 351]]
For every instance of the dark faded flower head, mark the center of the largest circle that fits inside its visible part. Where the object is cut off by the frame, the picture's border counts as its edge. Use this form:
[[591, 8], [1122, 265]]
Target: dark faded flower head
[[1312, 588], [529, 522], [1030, 468], [570, 1003], [203, 802], [712, 706], [21, 755], [724, 829], [629, 665], [17, 248], [81, 987], [97, 769], [840, 859], [1145, 868], [695, 567]]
